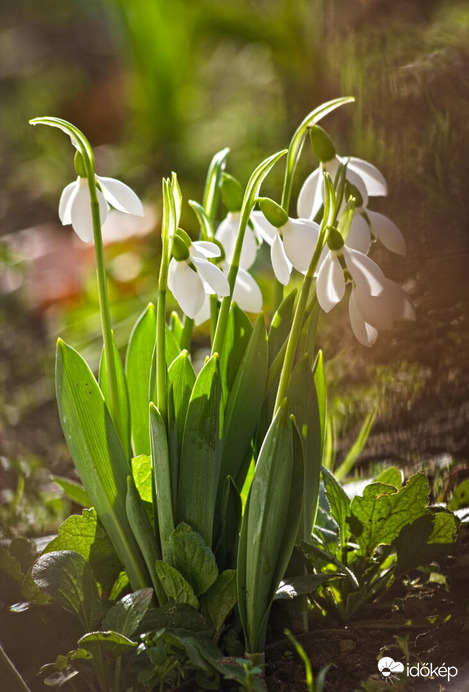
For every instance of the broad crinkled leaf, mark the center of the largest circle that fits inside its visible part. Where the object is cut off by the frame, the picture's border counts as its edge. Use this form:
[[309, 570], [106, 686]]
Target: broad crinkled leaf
[[84, 534], [108, 644], [217, 603], [142, 475], [189, 554], [378, 517], [174, 585], [425, 540], [125, 616], [391, 476], [67, 578]]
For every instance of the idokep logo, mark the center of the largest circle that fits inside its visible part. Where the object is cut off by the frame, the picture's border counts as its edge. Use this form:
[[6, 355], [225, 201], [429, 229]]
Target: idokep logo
[[390, 669]]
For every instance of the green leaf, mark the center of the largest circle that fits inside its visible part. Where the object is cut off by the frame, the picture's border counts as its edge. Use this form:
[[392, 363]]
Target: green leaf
[[126, 615], [269, 518], [427, 539], [313, 553], [237, 335], [162, 476], [107, 644], [176, 326], [181, 376], [358, 446], [339, 503], [10, 565], [138, 366], [98, 455], [172, 349], [176, 616], [303, 404], [212, 183], [123, 424], [320, 384], [460, 497], [73, 490], [378, 517], [231, 513], [217, 603], [243, 407], [142, 474], [199, 466], [189, 554], [292, 587], [68, 579], [85, 535], [143, 532], [175, 586], [391, 476]]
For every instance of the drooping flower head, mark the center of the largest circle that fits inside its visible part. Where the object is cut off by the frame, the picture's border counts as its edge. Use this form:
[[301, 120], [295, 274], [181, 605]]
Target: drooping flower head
[[75, 202], [191, 275]]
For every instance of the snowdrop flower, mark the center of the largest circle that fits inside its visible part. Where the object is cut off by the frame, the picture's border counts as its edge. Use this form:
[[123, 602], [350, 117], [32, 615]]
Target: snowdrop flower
[[227, 234], [365, 177], [369, 313], [192, 276], [375, 301], [246, 294], [367, 225], [291, 245], [75, 204]]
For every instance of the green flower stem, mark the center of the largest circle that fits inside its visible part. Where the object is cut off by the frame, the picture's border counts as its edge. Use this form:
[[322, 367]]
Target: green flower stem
[[298, 321], [168, 214], [104, 309], [249, 202]]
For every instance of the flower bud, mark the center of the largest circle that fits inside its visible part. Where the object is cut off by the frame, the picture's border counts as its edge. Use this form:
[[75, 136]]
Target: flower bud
[[181, 245], [335, 240], [273, 212], [322, 144], [231, 192], [79, 164]]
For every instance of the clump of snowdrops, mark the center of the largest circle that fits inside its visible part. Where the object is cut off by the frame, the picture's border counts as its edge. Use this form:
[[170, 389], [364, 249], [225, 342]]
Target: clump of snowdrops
[[204, 481]]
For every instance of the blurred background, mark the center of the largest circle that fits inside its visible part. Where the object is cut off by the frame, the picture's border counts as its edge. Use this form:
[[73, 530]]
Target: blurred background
[[160, 86]]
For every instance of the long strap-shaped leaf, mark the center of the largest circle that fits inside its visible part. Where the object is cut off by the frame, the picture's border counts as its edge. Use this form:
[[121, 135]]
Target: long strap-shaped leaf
[[161, 475], [124, 406], [98, 455], [200, 453], [244, 406], [269, 527], [138, 368]]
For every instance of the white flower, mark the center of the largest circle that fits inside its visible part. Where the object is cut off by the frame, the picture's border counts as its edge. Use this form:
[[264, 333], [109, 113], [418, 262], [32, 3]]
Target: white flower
[[246, 294], [368, 180], [291, 245], [227, 234], [368, 313], [189, 284], [75, 204], [375, 301], [330, 285], [367, 224]]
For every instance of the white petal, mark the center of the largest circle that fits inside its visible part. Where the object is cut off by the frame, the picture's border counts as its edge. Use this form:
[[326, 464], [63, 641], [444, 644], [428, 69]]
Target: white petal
[[186, 286], [264, 228], [364, 332], [364, 271], [359, 237], [374, 180], [65, 200], [204, 313], [80, 211], [120, 196], [357, 181], [203, 249], [311, 195], [280, 262], [299, 240], [387, 232], [330, 285], [227, 234], [213, 276], [247, 293], [377, 311]]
